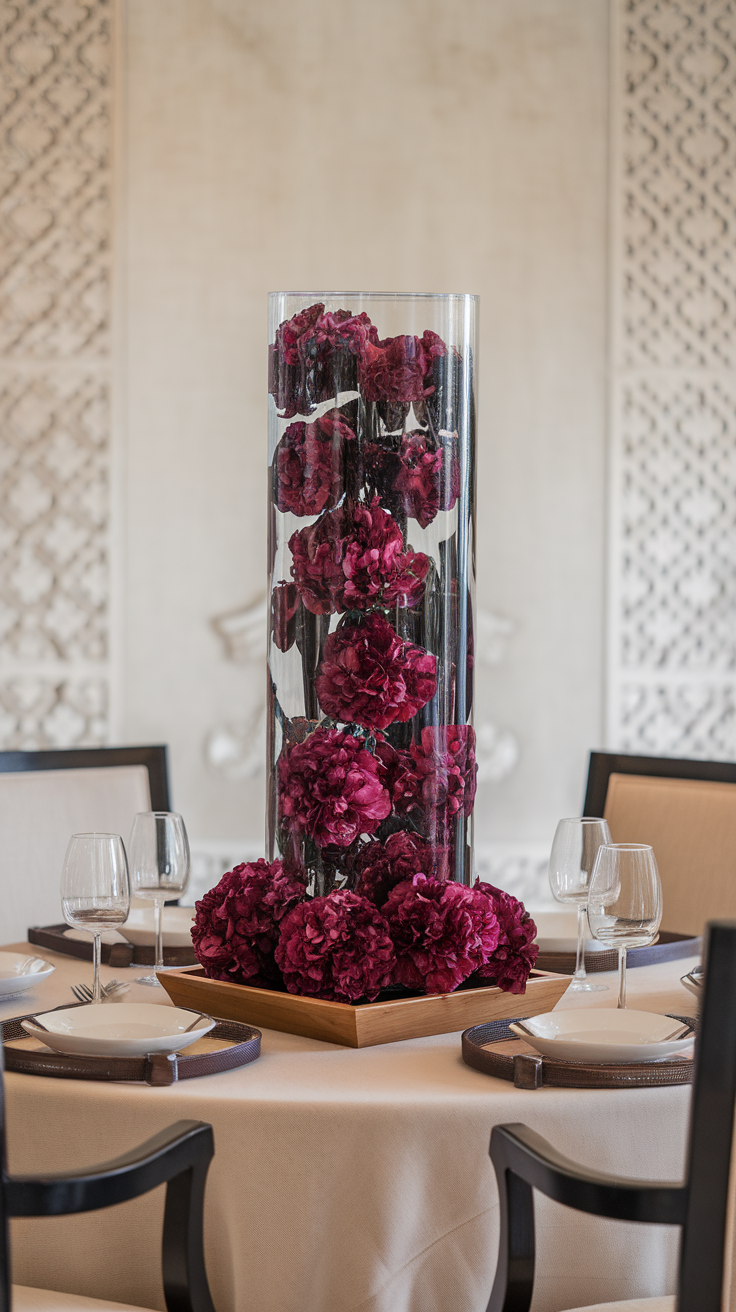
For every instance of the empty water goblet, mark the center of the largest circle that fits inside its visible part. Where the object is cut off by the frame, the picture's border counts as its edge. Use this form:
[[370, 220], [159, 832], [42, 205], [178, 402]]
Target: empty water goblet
[[159, 865], [571, 862], [625, 901], [95, 889]]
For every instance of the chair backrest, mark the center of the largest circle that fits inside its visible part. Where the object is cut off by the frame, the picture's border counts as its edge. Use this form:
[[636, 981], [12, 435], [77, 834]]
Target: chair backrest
[[47, 796], [709, 1223], [686, 810]]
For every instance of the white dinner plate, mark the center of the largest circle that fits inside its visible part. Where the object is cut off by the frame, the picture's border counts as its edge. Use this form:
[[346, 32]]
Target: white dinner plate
[[605, 1034], [18, 972], [140, 927], [557, 931], [130, 1030]]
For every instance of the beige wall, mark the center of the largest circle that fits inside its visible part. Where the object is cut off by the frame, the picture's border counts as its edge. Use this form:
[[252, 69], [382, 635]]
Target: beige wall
[[391, 145]]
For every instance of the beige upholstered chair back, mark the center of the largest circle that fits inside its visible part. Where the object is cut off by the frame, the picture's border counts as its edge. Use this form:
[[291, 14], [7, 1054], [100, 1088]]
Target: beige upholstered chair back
[[691, 824], [39, 811]]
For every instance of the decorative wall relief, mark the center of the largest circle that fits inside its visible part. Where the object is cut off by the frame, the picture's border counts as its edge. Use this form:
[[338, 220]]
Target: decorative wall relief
[[54, 372], [672, 602]]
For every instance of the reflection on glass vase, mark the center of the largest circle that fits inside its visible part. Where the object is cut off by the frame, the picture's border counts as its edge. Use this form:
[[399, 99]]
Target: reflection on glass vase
[[371, 757]]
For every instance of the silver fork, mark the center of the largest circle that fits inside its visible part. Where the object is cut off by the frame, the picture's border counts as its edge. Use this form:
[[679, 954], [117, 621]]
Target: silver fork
[[83, 992]]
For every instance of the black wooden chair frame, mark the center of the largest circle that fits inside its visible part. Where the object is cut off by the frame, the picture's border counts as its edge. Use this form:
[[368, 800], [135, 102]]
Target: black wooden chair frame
[[154, 758], [178, 1157], [524, 1161], [603, 764]]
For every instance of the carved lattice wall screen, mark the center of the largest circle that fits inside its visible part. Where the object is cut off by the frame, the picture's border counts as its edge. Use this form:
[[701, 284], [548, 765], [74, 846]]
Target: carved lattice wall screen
[[54, 372], [672, 605]]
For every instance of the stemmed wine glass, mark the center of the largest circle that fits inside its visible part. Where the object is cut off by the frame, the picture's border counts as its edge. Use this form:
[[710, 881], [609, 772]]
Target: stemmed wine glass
[[571, 862], [625, 901], [95, 889], [159, 863]]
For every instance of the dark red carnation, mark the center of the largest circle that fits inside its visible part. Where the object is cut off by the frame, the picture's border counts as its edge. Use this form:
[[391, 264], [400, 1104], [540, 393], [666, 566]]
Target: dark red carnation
[[399, 776], [308, 466], [397, 369], [509, 966], [441, 931], [314, 357], [380, 866], [427, 478], [236, 926], [330, 788], [284, 602], [335, 947], [370, 676], [418, 479], [446, 769], [353, 558]]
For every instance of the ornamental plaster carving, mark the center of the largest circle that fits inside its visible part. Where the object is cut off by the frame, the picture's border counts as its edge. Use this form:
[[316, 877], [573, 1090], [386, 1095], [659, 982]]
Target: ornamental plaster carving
[[54, 375], [672, 603]]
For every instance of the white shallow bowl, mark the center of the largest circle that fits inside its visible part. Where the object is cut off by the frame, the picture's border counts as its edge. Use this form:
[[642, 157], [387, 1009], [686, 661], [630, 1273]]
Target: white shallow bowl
[[604, 1034], [19, 972], [131, 1030], [557, 931], [694, 982], [140, 927]]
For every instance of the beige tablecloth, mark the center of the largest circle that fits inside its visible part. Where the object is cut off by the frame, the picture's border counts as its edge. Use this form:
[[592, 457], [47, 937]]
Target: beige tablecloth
[[349, 1181]]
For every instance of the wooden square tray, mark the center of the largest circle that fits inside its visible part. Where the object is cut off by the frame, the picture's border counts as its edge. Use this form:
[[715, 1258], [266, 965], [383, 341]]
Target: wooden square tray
[[360, 1026]]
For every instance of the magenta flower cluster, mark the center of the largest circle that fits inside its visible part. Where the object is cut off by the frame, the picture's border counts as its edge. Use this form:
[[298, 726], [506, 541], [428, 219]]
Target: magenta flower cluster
[[379, 867], [419, 478], [441, 931], [517, 952], [354, 558], [308, 465], [237, 924], [258, 927], [315, 356], [330, 788], [336, 947], [369, 676]]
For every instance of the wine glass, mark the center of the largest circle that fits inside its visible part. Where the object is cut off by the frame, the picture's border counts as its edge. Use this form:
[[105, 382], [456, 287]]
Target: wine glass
[[625, 901], [159, 864], [95, 889], [574, 850]]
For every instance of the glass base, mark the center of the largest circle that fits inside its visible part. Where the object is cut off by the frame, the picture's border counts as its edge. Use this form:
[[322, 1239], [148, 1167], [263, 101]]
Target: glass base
[[151, 980], [586, 986]]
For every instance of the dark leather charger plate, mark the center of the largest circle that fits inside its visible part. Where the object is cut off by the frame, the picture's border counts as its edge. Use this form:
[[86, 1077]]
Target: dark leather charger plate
[[494, 1050], [112, 954], [241, 1044], [669, 947]]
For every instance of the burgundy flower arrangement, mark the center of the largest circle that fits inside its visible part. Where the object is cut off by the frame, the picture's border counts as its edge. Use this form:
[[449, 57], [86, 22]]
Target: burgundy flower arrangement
[[372, 770], [428, 934]]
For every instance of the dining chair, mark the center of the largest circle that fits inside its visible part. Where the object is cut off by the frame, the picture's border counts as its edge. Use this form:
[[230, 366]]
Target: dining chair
[[178, 1157], [524, 1161], [686, 810], [45, 797]]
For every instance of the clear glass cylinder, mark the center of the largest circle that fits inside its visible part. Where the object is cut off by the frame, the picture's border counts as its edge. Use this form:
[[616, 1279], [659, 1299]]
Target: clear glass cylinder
[[371, 456]]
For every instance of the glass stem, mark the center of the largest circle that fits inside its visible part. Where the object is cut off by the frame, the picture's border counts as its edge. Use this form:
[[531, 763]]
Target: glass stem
[[159, 935], [622, 977], [96, 954], [580, 958]]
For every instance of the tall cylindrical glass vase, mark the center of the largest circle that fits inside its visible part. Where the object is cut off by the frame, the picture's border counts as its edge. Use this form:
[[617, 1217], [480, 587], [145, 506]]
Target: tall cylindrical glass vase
[[371, 758]]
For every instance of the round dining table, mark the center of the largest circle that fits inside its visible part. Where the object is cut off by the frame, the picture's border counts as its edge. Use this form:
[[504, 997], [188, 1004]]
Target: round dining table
[[347, 1180]]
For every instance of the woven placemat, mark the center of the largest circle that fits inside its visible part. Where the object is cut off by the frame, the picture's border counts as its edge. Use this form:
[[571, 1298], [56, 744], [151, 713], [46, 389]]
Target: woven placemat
[[230, 1044], [495, 1050], [56, 939], [669, 947]]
